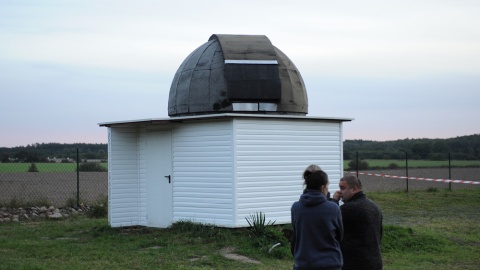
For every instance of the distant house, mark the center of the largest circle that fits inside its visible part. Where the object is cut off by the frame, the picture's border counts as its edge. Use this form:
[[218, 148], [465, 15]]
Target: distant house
[[93, 160], [59, 160]]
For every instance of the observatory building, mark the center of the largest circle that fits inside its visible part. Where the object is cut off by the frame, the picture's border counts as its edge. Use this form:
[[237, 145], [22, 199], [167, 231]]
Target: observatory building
[[236, 141]]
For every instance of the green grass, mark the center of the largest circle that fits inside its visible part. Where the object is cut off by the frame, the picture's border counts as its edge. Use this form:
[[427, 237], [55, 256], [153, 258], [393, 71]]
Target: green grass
[[42, 167], [431, 230], [383, 163], [422, 230]]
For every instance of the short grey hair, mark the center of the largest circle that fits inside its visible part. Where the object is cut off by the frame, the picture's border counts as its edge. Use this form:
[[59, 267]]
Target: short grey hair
[[352, 181]]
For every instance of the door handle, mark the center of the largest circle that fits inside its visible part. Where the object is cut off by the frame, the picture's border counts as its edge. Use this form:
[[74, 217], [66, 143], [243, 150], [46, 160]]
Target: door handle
[[169, 180]]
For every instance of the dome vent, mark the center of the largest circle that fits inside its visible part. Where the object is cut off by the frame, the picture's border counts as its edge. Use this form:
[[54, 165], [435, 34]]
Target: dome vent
[[240, 74]]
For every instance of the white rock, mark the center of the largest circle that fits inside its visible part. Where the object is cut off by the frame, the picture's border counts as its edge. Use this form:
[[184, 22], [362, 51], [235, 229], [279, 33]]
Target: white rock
[[55, 215]]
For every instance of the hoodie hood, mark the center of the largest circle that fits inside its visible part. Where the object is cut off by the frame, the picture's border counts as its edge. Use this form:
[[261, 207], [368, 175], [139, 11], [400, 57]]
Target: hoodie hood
[[311, 197]]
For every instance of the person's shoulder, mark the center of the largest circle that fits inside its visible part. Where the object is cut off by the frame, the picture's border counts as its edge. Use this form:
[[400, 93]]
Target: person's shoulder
[[332, 203], [332, 207], [370, 201], [352, 205], [373, 204], [337, 202], [296, 204]]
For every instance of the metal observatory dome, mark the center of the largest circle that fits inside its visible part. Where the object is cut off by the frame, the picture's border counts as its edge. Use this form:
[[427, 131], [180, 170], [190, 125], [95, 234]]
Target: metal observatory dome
[[238, 74]]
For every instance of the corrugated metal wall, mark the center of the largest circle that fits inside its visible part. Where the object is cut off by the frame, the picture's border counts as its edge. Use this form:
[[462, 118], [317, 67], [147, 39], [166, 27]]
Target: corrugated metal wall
[[126, 181], [202, 173], [271, 156]]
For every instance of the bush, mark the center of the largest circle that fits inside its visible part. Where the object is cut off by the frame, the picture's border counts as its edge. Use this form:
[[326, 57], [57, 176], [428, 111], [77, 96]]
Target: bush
[[41, 201], [99, 211], [257, 224], [393, 166], [91, 167], [363, 165], [15, 203], [268, 238], [71, 202], [32, 168]]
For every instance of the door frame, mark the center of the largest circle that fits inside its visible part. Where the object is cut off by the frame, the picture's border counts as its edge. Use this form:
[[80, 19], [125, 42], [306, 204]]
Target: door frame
[[159, 184]]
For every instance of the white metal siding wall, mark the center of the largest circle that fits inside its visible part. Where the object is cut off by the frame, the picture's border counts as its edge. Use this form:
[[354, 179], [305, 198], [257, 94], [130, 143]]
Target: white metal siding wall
[[271, 156], [202, 173], [126, 181], [142, 174]]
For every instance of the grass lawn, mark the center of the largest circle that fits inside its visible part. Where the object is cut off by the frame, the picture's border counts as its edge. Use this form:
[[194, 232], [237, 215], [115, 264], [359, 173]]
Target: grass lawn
[[382, 163], [422, 230], [42, 167]]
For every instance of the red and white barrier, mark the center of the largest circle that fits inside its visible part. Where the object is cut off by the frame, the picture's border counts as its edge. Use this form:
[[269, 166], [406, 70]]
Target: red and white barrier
[[420, 178]]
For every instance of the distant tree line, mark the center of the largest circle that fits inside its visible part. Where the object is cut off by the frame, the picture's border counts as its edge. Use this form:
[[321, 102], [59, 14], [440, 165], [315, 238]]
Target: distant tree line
[[43, 152], [460, 148]]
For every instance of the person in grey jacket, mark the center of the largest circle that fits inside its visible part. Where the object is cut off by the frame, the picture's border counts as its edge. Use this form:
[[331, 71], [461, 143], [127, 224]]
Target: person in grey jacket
[[362, 219], [317, 227]]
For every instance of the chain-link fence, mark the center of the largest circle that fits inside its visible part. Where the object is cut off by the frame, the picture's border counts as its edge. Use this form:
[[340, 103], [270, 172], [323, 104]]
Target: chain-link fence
[[63, 183], [70, 183], [426, 171]]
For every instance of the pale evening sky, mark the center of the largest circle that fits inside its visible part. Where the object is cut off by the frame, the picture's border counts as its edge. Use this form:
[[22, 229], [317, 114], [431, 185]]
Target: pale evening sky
[[402, 69]]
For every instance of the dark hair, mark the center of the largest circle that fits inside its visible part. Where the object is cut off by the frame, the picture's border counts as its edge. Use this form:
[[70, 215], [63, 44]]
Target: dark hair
[[316, 180], [309, 170]]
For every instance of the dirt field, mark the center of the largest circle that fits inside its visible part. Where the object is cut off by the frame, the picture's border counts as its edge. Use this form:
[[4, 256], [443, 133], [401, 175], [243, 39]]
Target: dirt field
[[379, 183], [57, 188]]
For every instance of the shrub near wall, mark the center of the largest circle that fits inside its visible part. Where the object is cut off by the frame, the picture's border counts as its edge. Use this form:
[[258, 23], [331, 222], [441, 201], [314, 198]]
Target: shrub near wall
[[92, 167]]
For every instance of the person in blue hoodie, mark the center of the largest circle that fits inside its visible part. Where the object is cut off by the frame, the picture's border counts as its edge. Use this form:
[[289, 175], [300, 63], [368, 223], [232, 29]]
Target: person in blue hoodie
[[317, 227]]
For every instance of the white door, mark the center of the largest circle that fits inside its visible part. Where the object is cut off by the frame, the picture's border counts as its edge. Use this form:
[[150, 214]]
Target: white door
[[159, 179]]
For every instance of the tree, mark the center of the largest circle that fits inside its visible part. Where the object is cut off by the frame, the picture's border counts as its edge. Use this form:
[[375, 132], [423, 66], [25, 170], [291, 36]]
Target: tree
[[421, 149], [32, 168], [440, 146], [4, 158]]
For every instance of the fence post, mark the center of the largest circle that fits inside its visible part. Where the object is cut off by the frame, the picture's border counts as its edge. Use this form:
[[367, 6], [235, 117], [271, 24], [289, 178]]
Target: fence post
[[357, 162], [406, 167], [78, 180], [449, 173]]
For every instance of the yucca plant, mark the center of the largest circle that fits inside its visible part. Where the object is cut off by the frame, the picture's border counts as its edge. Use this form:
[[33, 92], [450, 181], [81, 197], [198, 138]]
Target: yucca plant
[[257, 224]]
